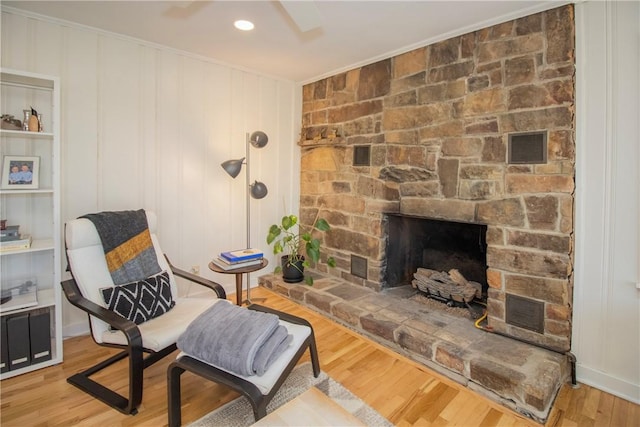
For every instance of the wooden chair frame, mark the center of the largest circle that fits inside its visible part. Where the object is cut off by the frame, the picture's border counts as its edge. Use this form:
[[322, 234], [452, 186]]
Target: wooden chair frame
[[258, 400], [133, 350]]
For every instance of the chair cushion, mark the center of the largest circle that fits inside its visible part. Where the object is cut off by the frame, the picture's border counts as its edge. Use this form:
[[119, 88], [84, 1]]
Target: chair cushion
[[140, 301], [163, 331], [266, 382]]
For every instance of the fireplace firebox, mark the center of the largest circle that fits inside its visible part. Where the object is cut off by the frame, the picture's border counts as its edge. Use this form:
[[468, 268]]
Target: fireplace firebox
[[414, 242]]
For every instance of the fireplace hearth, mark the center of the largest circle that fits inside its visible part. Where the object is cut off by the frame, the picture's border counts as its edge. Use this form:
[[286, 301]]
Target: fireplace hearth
[[520, 376]]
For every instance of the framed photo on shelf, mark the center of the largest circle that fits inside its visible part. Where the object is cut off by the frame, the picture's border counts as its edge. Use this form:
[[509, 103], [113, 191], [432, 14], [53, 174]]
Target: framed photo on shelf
[[20, 172]]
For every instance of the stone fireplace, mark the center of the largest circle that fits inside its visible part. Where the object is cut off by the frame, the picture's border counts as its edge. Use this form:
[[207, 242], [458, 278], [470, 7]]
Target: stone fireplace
[[478, 129]]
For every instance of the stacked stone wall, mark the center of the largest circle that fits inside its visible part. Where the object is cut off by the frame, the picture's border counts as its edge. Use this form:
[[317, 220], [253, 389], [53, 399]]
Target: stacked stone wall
[[436, 120]]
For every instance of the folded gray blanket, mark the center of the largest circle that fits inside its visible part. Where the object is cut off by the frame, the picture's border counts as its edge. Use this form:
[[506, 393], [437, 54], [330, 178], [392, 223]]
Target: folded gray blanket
[[233, 338]]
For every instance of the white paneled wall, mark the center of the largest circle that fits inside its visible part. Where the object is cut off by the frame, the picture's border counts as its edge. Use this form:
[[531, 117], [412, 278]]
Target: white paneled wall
[[606, 320], [147, 127]]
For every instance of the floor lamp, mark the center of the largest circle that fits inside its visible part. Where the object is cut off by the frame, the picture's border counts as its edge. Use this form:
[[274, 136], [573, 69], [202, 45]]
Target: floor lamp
[[257, 190]]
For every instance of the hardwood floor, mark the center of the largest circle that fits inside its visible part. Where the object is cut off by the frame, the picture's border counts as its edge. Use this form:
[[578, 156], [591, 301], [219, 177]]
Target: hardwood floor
[[403, 391]]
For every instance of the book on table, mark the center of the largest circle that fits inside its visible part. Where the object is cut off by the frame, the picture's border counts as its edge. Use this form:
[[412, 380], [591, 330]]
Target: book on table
[[225, 265], [243, 262], [242, 255]]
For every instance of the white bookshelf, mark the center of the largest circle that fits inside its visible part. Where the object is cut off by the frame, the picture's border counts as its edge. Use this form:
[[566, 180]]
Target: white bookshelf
[[36, 211]]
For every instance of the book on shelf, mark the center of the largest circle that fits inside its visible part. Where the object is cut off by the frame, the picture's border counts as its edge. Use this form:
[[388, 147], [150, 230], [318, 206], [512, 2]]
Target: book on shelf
[[24, 242], [11, 232], [242, 255], [225, 265]]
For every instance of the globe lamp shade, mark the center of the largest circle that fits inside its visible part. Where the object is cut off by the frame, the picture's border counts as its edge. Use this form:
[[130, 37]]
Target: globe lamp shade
[[258, 190], [259, 139]]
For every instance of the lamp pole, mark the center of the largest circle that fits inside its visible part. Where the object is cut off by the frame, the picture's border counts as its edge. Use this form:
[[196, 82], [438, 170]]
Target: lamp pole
[[248, 191]]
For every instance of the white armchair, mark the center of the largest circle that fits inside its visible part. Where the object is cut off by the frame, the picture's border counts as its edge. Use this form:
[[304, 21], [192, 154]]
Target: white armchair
[[144, 343]]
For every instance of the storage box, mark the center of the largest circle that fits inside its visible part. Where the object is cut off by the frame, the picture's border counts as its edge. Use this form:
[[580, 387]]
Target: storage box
[[40, 335], [18, 343]]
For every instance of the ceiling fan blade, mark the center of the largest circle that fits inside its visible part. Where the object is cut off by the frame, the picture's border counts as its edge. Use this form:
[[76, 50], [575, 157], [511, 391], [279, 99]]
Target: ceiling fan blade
[[183, 9], [305, 14]]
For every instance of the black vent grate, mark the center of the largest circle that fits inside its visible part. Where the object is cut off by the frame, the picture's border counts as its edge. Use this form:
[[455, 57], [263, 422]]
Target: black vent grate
[[525, 313], [362, 155], [359, 266], [528, 148]]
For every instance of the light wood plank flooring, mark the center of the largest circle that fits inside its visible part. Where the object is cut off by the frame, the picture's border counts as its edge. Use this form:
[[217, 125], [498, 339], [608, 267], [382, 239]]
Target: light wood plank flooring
[[400, 389]]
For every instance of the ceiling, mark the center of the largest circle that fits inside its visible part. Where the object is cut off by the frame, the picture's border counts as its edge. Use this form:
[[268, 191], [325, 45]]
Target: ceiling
[[350, 33]]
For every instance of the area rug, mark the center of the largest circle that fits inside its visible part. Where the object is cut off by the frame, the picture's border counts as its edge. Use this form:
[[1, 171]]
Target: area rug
[[238, 412]]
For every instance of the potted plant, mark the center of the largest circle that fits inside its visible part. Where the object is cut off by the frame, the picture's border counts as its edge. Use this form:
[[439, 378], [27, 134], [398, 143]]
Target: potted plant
[[299, 247]]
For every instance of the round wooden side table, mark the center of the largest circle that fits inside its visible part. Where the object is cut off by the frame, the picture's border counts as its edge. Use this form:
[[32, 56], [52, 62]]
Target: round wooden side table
[[239, 272]]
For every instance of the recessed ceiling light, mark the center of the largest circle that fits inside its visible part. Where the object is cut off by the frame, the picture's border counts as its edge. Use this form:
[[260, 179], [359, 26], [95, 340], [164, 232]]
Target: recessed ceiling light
[[243, 25]]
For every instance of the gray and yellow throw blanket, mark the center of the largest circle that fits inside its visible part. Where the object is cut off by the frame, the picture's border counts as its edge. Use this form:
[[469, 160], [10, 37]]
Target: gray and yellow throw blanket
[[127, 245], [235, 339]]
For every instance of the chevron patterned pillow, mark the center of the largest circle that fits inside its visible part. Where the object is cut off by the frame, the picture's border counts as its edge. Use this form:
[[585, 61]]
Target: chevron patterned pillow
[[140, 301]]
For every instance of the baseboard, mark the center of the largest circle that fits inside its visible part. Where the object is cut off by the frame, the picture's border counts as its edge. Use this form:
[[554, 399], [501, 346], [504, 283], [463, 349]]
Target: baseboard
[[605, 382], [206, 293], [75, 329]]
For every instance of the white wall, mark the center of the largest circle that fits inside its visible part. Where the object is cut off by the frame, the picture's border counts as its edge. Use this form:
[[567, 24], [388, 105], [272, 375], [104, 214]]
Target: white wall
[[606, 329], [147, 127]]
